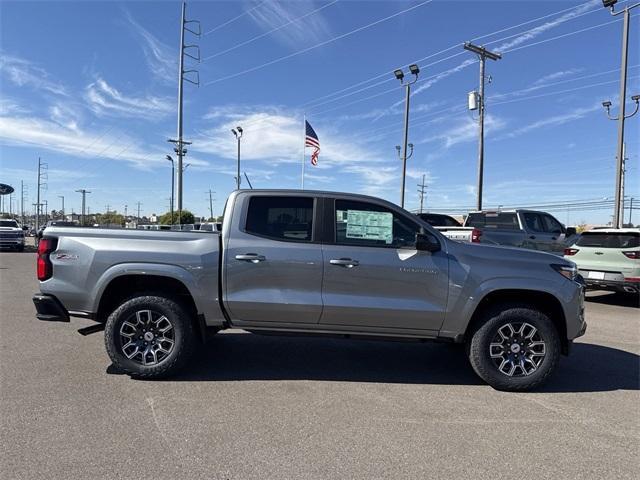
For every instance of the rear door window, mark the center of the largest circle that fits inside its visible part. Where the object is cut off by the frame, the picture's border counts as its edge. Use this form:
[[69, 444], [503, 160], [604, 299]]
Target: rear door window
[[281, 218], [533, 221], [609, 239], [498, 220]]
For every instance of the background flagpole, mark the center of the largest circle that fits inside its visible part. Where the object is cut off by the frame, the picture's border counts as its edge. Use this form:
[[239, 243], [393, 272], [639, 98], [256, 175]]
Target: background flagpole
[[304, 142]]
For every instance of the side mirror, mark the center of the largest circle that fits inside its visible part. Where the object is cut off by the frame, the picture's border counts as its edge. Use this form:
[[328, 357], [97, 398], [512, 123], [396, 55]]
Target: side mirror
[[427, 242], [571, 231]]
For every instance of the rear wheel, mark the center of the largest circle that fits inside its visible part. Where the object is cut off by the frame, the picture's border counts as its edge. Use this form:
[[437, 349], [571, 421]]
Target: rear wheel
[[515, 349], [149, 337]]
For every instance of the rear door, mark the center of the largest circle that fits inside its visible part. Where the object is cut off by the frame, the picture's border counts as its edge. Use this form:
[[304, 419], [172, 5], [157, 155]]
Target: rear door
[[272, 260], [537, 237], [556, 233], [373, 276]]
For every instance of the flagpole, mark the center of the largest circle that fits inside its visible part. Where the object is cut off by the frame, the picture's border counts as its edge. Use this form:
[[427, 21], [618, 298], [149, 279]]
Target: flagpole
[[304, 142]]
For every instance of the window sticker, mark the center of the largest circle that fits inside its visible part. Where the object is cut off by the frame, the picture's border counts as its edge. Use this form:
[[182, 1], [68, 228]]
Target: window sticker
[[369, 225]]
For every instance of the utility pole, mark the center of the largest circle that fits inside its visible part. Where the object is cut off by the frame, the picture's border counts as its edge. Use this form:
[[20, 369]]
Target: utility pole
[[399, 74], [630, 210], [138, 216], [125, 212], [248, 181], [483, 54], [179, 141], [22, 202], [84, 194], [173, 185], [42, 176], [62, 197], [46, 210], [617, 219], [422, 190], [623, 175], [211, 204]]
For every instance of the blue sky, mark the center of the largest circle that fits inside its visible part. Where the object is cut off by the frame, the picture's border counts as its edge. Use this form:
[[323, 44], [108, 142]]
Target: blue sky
[[91, 88]]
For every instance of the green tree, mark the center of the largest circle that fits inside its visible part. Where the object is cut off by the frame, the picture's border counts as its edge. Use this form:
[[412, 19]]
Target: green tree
[[110, 218], [187, 217]]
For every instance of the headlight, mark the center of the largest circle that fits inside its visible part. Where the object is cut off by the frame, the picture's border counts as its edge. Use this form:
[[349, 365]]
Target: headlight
[[568, 271]]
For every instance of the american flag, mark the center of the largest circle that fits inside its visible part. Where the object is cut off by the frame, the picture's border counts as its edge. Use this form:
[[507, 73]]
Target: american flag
[[311, 140]]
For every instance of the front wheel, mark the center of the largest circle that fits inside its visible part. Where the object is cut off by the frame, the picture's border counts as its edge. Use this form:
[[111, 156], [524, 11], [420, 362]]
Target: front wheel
[[515, 349], [149, 337]]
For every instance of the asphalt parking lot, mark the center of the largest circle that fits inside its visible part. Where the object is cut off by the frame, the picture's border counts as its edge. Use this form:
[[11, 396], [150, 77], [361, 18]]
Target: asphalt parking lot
[[277, 407]]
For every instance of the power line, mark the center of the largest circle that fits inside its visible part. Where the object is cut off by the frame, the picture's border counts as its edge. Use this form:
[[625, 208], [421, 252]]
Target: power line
[[313, 47], [257, 37], [457, 45], [230, 21]]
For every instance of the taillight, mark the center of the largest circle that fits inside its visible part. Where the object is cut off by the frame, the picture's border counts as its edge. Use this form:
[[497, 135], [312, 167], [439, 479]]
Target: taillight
[[568, 252], [634, 255], [475, 235], [44, 266]]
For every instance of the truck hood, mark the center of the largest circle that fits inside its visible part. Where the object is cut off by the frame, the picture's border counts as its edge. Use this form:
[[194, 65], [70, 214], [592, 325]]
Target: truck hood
[[500, 253]]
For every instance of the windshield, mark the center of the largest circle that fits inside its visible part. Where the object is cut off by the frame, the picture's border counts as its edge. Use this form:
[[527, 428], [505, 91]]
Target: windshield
[[8, 223], [609, 239]]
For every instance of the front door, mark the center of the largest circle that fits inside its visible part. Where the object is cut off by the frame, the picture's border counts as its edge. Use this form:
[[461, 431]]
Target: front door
[[374, 277], [272, 262]]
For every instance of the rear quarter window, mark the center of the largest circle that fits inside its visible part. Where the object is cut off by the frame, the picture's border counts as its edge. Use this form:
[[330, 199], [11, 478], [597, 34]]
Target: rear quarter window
[[281, 218], [505, 221], [609, 239]]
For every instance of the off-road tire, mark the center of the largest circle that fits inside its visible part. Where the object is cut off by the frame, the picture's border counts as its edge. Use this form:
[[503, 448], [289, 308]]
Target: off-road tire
[[185, 337], [487, 329]]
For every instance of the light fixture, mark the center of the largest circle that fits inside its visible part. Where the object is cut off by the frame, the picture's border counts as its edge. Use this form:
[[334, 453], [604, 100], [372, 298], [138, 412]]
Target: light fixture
[[609, 3], [239, 128], [399, 74], [233, 130], [606, 104], [636, 98], [413, 68]]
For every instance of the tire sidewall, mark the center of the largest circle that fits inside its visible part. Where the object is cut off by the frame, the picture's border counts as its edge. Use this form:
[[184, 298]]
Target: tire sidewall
[[484, 365], [183, 336]]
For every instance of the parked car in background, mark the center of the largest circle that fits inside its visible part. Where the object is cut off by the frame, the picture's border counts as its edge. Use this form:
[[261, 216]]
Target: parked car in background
[[439, 220], [530, 229], [608, 259], [321, 263], [11, 235]]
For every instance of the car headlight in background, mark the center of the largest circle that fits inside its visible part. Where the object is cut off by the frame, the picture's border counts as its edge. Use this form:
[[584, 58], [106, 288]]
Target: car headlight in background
[[570, 272]]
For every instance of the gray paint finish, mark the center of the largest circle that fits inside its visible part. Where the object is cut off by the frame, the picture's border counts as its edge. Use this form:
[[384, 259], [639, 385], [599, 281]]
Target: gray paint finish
[[394, 292]]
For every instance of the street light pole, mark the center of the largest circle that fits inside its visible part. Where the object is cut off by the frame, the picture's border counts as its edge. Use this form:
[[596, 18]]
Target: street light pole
[[400, 76], [62, 197], [237, 132]]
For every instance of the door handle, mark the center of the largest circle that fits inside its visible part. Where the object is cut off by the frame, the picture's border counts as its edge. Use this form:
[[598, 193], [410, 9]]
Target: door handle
[[344, 262], [251, 257]]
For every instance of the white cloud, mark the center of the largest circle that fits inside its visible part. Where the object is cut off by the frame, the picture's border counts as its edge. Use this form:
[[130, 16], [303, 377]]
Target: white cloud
[[556, 75], [21, 72], [465, 129], [103, 99], [26, 131], [275, 135], [556, 120], [540, 29], [161, 59], [270, 16], [65, 115]]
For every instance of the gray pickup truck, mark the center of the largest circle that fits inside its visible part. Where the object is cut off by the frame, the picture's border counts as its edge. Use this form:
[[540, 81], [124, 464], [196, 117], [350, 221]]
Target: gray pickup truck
[[530, 229], [315, 263]]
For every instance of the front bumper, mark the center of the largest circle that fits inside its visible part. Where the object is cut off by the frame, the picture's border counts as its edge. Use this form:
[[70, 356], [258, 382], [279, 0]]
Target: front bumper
[[49, 308]]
